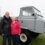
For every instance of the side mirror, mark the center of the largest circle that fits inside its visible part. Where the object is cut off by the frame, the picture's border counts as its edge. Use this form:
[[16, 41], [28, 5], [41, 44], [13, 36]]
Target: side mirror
[[33, 14]]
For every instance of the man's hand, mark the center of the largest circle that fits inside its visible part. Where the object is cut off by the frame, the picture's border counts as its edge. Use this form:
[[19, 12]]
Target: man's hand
[[2, 34]]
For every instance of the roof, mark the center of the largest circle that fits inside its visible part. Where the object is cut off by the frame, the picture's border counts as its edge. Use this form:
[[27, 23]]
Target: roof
[[29, 9]]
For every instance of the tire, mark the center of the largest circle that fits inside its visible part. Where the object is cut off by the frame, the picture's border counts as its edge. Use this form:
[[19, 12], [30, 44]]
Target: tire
[[30, 35]]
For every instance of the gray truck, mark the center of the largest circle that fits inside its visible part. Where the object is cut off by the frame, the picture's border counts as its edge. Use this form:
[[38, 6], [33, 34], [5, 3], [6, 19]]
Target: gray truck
[[32, 24]]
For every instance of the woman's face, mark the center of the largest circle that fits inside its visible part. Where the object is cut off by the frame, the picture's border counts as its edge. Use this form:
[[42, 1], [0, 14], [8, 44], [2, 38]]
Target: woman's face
[[16, 18], [13, 18]]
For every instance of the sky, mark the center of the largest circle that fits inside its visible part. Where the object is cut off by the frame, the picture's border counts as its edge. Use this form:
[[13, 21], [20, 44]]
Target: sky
[[13, 6]]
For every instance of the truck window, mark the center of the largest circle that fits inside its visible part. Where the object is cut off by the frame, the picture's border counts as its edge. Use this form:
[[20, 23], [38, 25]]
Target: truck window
[[26, 13]]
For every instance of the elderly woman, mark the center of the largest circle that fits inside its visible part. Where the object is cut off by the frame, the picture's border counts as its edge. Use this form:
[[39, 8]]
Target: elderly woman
[[15, 30]]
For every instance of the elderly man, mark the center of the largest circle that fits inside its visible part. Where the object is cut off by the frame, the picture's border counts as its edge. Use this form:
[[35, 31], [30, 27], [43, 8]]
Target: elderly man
[[5, 27]]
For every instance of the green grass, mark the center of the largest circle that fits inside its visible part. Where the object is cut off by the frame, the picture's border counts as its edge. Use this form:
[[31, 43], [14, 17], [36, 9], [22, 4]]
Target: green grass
[[0, 40], [40, 40]]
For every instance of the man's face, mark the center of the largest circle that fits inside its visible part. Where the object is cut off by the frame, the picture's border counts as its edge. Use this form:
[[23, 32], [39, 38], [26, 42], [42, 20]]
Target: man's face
[[7, 14]]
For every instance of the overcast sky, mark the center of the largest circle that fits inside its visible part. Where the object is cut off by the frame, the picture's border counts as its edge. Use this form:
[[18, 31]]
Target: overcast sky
[[13, 6]]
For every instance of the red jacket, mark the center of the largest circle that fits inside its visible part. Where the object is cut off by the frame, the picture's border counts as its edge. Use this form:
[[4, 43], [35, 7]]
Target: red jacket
[[15, 27]]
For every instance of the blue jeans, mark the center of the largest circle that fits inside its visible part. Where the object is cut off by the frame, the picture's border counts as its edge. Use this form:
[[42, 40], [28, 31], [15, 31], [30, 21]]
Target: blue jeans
[[15, 39], [4, 39]]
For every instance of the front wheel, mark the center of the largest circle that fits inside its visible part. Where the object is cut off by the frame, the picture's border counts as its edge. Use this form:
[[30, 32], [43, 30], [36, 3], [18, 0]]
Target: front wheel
[[23, 37], [27, 36]]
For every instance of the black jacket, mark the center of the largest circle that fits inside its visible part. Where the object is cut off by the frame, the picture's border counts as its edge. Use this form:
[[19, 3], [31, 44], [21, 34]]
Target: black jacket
[[5, 25]]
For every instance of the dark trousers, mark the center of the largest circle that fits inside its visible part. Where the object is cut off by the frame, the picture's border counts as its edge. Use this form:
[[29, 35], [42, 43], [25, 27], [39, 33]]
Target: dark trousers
[[4, 39], [15, 39]]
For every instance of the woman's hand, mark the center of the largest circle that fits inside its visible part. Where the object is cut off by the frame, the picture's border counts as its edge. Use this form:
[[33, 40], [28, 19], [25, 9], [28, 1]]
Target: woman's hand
[[19, 34]]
